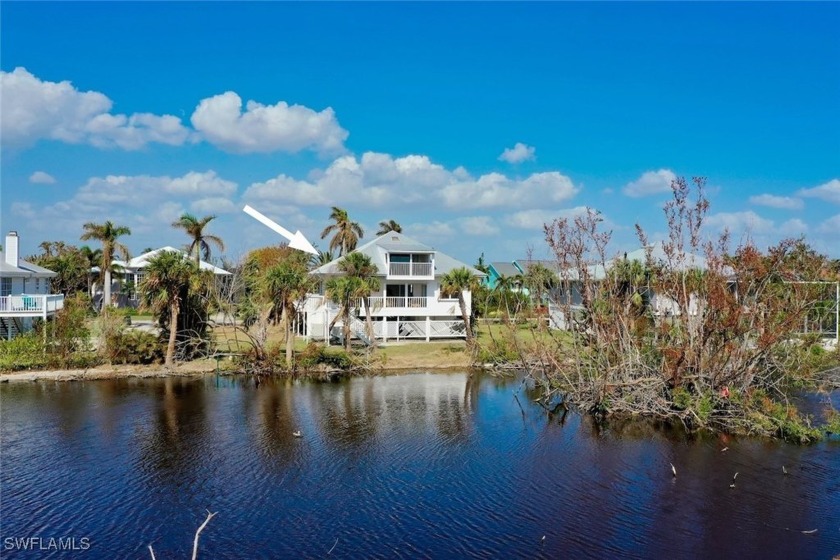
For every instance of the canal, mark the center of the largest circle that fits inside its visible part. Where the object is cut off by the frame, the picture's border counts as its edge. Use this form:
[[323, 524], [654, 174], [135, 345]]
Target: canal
[[443, 465]]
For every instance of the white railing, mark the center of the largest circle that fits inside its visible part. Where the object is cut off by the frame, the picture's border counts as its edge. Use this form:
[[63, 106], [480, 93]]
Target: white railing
[[378, 302], [412, 269], [31, 305], [436, 329], [399, 330]]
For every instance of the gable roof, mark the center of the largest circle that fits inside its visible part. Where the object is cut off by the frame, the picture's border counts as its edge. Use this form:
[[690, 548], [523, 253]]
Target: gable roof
[[142, 261], [24, 269], [393, 242], [686, 261], [505, 268]]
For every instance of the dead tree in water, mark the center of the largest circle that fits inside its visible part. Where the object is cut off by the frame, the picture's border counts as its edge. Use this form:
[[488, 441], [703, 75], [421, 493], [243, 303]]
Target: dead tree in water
[[195, 540]]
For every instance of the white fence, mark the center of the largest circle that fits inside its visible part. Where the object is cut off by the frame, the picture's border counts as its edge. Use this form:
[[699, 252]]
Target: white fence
[[421, 329]]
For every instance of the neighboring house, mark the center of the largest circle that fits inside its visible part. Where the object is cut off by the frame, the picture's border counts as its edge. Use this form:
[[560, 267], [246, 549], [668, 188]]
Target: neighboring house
[[24, 291], [497, 270], [408, 305], [660, 305], [126, 277]]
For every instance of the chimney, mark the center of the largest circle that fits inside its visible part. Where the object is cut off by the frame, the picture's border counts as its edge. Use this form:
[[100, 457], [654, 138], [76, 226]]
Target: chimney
[[12, 249]]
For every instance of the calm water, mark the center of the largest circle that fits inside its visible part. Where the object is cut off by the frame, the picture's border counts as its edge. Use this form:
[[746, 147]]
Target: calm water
[[412, 466]]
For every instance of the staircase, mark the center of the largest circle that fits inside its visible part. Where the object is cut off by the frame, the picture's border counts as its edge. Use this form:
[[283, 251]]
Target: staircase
[[10, 327], [357, 327]]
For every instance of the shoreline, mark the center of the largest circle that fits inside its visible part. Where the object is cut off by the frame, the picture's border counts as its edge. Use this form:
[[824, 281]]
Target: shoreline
[[194, 369]]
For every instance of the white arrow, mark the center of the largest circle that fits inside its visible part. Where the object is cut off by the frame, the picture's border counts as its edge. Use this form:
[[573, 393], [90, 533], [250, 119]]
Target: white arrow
[[296, 240]]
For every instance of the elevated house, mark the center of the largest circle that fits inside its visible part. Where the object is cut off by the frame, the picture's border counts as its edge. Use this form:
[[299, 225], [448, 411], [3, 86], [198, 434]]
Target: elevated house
[[500, 269], [24, 291], [126, 277], [569, 283], [409, 303]]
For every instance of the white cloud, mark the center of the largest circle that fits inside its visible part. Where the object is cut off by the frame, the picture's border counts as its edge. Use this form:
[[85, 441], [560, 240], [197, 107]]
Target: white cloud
[[519, 153], [773, 201], [33, 109], [143, 190], [651, 182], [41, 178], [213, 205], [377, 179], [793, 227], [830, 191], [537, 218], [23, 209], [497, 190], [747, 221], [434, 231], [146, 204], [266, 128], [479, 225], [831, 226]]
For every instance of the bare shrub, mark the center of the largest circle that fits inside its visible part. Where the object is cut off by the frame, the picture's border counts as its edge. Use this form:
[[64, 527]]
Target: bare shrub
[[690, 334]]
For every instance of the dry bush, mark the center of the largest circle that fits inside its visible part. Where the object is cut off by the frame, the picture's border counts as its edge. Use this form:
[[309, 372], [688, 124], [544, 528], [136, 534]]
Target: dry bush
[[692, 335]]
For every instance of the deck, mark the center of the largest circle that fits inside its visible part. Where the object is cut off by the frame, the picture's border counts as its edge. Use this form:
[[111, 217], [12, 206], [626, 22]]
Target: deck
[[24, 305]]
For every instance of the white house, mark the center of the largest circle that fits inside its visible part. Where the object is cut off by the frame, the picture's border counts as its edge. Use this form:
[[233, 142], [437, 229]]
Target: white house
[[24, 291], [127, 275], [409, 304], [659, 304]]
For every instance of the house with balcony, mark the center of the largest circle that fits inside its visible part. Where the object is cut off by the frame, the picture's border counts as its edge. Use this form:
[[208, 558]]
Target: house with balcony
[[24, 291], [409, 303], [127, 275]]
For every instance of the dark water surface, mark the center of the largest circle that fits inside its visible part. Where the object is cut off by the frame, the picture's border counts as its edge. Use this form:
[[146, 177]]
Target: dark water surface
[[411, 466]]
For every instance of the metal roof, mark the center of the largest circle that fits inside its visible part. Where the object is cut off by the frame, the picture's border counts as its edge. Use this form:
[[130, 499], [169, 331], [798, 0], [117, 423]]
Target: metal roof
[[25, 269], [393, 242], [142, 261], [505, 268]]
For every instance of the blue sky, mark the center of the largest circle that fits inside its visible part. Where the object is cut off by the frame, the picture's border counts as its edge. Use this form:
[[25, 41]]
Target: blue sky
[[470, 124]]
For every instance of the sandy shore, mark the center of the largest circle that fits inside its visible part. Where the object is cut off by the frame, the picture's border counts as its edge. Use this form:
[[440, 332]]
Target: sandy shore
[[200, 367], [430, 357]]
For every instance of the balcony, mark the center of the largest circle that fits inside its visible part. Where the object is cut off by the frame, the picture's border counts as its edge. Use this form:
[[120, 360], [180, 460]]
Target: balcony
[[408, 306], [425, 270], [31, 305]]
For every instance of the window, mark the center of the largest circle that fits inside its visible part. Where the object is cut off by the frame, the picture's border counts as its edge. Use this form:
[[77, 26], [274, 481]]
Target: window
[[37, 285], [5, 287]]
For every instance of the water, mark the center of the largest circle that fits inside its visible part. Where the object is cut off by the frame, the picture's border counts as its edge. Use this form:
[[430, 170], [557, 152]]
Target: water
[[411, 466]]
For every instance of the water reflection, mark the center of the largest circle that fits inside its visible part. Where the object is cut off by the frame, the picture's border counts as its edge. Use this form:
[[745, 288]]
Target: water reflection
[[178, 432]]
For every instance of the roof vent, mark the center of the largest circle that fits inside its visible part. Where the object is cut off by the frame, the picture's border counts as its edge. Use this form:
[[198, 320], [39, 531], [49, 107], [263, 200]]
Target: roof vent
[[395, 238]]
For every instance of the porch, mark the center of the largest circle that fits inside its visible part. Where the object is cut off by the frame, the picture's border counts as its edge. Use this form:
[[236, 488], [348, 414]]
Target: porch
[[407, 306], [24, 305]]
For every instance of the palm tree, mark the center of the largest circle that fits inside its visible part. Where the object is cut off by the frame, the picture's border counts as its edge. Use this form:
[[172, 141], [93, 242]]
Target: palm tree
[[458, 281], [359, 265], [504, 287], [194, 227], [390, 225], [286, 283], [322, 258], [342, 290], [107, 234], [166, 280], [538, 280], [481, 265], [347, 233], [92, 257], [47, 247]]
